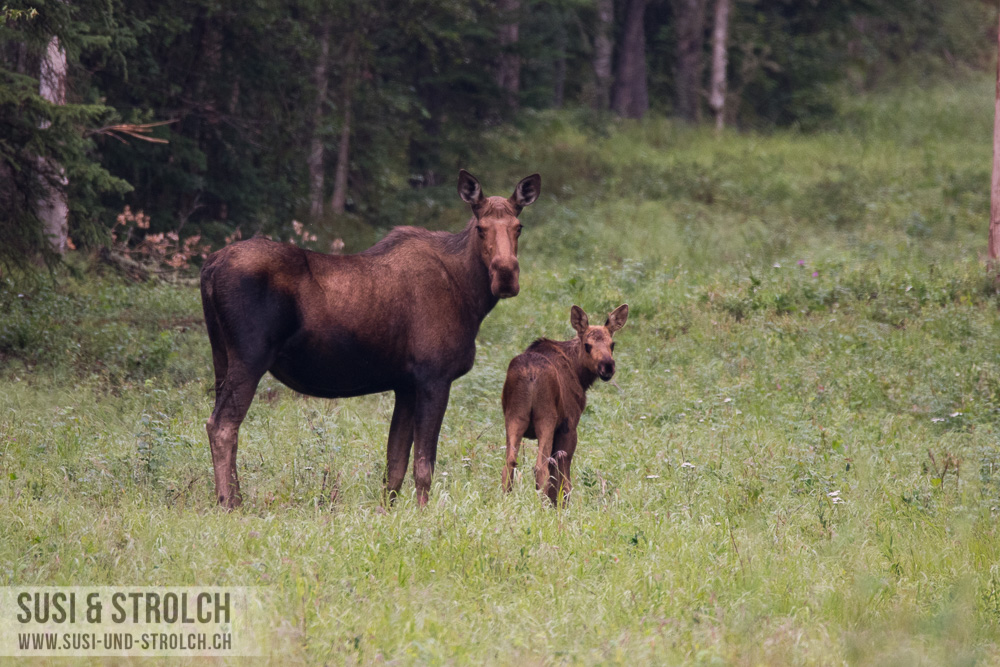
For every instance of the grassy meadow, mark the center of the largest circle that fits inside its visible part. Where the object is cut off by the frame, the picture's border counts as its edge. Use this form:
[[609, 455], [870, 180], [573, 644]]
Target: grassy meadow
[[798, 462]]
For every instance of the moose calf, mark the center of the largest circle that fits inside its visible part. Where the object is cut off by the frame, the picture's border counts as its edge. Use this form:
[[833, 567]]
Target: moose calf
[[545, 394]]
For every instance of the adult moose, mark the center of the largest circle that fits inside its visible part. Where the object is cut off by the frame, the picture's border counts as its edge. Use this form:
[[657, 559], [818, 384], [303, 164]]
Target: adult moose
[[401, 316]]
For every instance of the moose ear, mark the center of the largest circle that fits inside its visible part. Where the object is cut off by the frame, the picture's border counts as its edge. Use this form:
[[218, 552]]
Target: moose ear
[[527, 191], [578, 319], [469, 189], [617, 318]]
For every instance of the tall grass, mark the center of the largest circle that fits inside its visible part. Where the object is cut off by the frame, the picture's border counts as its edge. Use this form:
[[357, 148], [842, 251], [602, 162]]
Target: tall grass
[[812, 334]]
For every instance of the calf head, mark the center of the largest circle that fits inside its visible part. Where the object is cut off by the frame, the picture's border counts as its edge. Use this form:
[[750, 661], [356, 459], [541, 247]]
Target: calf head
[[596, 346], [497, 228]]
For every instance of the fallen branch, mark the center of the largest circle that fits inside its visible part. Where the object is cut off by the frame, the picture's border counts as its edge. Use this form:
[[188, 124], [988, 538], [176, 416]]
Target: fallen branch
[[134, 130]]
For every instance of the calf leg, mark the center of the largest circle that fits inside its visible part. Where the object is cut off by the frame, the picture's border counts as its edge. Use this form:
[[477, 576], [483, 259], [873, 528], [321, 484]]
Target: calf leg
[[565, 446], [516, 426], [400, 442], [545, 430], [431, 402]]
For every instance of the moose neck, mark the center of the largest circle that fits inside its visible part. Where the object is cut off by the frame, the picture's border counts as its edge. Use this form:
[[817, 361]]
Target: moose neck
[[475, 274], [586, 376]]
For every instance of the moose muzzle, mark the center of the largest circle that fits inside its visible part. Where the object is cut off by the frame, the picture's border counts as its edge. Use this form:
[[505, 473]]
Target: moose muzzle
[[504, 277]]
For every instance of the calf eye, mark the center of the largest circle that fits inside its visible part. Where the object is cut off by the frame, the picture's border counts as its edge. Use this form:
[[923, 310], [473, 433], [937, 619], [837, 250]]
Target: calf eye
[[612, 347], [517, 231], [482, 231], [586, 346]]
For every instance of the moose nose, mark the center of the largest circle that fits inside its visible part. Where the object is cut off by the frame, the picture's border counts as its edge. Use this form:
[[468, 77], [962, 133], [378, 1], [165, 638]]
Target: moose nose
[[503, 278], [606, 369]]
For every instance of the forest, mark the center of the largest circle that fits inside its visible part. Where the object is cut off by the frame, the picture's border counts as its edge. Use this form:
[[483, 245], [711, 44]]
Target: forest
[[796, 461], [210, 117]]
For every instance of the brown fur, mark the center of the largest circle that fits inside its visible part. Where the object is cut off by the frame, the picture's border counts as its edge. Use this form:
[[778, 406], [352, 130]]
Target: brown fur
[[546, 392], [401, 316]]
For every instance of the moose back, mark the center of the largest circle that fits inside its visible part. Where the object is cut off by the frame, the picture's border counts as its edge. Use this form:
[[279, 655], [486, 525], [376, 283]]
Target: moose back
[[401, 316]]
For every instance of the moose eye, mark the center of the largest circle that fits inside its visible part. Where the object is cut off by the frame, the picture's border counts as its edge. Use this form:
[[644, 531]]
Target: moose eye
[[482, 231], [612, 347], [586, 346], [517, 231]]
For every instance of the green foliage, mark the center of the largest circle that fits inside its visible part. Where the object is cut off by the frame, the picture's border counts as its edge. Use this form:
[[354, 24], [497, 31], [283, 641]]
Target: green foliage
[[104, 332], [40, 143], [240, 93], [913, 39]]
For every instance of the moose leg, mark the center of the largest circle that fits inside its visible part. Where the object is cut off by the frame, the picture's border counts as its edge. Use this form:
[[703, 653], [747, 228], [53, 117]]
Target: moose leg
[[430, 406], [234, 396], [545, 430], [400, 442], [220, 357], [565, 446], [516, 426]]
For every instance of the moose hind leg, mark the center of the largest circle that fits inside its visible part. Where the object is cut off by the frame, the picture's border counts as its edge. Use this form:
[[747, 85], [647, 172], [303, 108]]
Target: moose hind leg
[[400, 443], [515, 427], [232, 402], [565, 446], [545, 429]]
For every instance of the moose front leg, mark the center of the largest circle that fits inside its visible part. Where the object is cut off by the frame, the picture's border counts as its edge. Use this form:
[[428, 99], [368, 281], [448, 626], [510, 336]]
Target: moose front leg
[[431, 402], [400, 443]]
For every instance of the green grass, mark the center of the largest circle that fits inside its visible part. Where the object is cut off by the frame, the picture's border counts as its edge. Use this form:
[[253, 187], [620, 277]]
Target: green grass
[[812, 334]]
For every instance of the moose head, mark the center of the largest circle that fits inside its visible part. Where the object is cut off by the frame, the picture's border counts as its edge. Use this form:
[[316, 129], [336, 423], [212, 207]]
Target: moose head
[[596, 346], [497, 228]]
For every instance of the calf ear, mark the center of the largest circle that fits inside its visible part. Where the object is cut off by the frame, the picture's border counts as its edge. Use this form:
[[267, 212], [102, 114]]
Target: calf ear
[[469, 189], [617, 318], [578, 319], [526, 192]]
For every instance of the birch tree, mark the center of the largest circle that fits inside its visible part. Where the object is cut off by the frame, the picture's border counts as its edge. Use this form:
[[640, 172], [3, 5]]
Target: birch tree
[[52, 207]]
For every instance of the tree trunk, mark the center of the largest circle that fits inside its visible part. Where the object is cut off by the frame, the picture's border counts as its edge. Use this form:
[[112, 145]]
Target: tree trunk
[[995, 186], [690, 44], [509, 67], [559, 76], [603, 49], [630, 97], [717, 93], [339, 199], [354, 65], [52, 208], [315, 159]]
